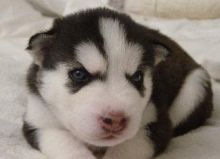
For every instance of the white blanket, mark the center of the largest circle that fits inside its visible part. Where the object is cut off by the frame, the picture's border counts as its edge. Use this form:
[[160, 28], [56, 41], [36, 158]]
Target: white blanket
[[193, 9], [18, 21]]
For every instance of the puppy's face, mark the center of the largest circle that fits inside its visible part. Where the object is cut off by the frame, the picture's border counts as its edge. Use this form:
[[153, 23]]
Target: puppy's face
[[95, 73]]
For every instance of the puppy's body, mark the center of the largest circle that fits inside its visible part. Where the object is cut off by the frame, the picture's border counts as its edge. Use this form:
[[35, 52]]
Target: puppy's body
[[103, 86]]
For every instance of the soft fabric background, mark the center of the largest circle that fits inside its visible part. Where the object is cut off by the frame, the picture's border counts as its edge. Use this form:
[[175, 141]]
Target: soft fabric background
[[21, 18], [193, 9]]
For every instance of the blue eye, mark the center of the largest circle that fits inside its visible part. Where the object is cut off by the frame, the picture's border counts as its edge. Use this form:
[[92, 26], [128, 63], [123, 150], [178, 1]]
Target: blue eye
[[79, 75], [137, 77]]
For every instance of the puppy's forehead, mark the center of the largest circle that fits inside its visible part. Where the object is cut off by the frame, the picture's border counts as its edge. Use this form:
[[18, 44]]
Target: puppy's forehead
[[123, 55], [119, 54]]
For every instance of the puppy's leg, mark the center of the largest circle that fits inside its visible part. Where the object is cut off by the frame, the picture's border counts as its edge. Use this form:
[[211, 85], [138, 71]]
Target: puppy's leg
[[193, 105], [44, 132], [60, 144]]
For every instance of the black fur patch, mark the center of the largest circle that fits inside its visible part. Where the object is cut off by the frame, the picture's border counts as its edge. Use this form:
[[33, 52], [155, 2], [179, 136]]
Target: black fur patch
[[33, 82], [199, 115], [30, 134], [168, 78], [160, 132]]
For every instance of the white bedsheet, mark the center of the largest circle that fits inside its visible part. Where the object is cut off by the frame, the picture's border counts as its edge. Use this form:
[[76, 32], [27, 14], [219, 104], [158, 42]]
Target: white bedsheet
[[18, 21]]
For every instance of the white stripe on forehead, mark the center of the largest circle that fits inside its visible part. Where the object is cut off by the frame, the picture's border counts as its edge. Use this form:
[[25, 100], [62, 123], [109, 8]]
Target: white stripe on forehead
[[90, 57], [123, 56]]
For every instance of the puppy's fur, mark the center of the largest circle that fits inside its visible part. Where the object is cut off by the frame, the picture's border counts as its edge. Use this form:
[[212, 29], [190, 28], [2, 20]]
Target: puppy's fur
[[173, 97]]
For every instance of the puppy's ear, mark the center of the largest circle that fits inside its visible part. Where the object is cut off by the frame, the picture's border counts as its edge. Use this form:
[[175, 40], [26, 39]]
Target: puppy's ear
[[161, 52], [39, 45]]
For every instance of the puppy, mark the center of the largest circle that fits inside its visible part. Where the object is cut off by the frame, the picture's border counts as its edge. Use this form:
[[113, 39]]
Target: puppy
[[103, 86]]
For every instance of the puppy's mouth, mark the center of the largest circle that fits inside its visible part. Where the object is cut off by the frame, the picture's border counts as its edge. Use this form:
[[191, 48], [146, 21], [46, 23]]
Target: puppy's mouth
[[110, 136]]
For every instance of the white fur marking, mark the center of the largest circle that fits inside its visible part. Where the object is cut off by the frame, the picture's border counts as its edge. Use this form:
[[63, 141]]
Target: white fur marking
[[150, 114], [189, 97], [91, 58], [123, 55], [38, 115], [60, 144]]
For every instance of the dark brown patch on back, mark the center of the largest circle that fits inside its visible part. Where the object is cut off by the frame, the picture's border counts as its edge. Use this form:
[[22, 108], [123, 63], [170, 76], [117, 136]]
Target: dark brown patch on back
[[199, 115], [168, 78]]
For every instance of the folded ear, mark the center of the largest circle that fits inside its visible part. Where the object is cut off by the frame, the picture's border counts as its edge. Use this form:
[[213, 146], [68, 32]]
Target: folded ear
[[39, 45], [160, 53]]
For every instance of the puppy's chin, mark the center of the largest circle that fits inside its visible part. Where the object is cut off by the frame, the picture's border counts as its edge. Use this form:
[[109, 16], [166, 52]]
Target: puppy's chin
[[107, 140]]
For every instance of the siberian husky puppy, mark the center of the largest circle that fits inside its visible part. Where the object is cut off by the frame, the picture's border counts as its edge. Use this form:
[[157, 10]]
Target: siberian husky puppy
[[104, 86]]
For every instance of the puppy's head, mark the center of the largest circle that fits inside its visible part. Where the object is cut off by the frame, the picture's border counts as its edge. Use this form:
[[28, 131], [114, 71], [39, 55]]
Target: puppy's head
[[95, 72]]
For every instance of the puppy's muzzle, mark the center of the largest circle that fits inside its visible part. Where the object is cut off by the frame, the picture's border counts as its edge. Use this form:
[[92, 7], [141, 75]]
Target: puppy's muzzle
[[113, 122]]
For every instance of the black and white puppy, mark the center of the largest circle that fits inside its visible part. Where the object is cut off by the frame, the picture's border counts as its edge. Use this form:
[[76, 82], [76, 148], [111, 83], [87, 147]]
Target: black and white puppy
[[103, 86]]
